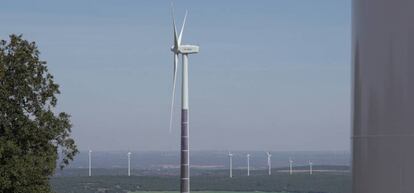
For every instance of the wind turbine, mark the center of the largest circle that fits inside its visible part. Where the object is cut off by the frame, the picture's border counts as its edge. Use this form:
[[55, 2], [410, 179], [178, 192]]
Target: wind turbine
[[269, 162], [248, 164], [184, 50], [129, 163], [290, 166], [231, 164], [310, 167], [90, 162]]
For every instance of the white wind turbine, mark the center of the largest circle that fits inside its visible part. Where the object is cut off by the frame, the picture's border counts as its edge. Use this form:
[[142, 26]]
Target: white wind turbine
[[184, 50], [269, 162], [90, 162], [231, 164], [248, 164], [129, 163], [310, 167], [290, 166]]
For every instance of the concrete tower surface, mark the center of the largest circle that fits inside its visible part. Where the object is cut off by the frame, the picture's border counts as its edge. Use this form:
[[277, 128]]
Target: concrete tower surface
[[383, 96]]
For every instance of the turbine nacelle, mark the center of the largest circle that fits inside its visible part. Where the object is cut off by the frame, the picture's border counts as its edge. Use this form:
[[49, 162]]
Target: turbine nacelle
[[186, 49]]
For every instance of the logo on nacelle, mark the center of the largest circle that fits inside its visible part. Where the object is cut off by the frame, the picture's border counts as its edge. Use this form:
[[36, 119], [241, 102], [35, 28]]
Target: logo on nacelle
[[188, 49]]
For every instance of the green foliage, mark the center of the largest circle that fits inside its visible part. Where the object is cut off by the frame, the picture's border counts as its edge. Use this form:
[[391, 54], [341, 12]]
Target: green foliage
[[213, 180], [202, 192], [31, 133]]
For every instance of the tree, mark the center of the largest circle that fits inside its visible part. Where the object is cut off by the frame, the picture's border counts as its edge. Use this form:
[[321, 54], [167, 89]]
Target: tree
[[32, 136]]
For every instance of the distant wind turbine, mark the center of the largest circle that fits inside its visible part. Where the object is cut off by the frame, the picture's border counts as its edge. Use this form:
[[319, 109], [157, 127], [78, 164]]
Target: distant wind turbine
[[290, 166], [310, 167], [231, 164], [90, 162], [184, 50], [129, 163], [269, 162], [248, 164]]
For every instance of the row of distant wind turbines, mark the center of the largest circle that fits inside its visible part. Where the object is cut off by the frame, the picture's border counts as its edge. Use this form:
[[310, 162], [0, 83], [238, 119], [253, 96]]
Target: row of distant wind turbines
[[269, 164]]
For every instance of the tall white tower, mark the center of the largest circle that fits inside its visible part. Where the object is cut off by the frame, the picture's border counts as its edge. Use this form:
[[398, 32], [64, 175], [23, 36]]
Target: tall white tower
[[290, 166], [269, 163], [310, 167], [231, 164], [90, 162], [248, 164], [129, 163]]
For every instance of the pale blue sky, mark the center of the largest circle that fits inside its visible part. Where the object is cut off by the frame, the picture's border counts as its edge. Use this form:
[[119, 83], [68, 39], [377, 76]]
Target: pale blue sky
[[271, 75]]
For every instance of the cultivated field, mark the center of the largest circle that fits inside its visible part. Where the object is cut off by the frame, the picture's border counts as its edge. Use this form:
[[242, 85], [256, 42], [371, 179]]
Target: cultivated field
[[201, 192], [210, 180]]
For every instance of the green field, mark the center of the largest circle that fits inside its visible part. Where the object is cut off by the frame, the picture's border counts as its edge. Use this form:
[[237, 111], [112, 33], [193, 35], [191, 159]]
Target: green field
[[211, 181], [201, 192]]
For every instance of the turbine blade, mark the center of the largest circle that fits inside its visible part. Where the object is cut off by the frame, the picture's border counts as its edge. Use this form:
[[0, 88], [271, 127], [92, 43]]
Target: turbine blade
[[182, 29], [173, 90], [176, 44]]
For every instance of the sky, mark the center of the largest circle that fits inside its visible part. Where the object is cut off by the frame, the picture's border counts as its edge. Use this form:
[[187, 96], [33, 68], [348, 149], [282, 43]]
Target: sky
[[271, 75]]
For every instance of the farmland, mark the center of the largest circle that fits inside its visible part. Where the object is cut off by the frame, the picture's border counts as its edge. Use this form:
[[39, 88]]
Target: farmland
[[336, 181]]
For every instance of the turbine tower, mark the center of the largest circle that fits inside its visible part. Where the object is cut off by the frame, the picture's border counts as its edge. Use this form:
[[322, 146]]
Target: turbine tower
[[290, 166], [248, 164], [129, 163], [310, 167], [184, 50], [231, 164], [90, 162], [383, 96], [269, 162]]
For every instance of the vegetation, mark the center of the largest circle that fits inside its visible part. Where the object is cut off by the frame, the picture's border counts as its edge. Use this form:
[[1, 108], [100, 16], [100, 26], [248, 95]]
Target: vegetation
[[31, 133], [330, 182], [198, 192]]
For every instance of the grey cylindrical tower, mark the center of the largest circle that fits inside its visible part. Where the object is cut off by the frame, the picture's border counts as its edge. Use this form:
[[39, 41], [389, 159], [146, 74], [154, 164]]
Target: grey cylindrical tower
[[185, 147], [383, 96]]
